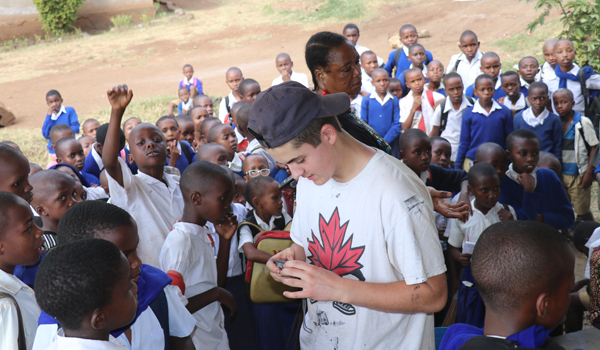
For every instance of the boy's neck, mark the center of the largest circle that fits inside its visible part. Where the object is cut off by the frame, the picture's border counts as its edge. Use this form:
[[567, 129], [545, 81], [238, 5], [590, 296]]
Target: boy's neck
[[85, 333], [434, 86], [417, 93], [502, 325], [49, 225], [265, 217], [191, 216], [486, 104], [566, 69], [381, 96], [515, 98], [536, 113], [351, 158], [417, 66], [568, 118], [481, 208], [457, 105], [8, 268]]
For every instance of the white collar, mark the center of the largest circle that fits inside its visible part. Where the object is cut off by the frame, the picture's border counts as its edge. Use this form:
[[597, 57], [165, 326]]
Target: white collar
[[63, 342], [195, 229], [532, 120], [463, 105], [261, 223], [492, 210], [513, 175], [524, 83], [187, 104], [425, 175], [62, 110], [521, 103], [424, 70], [405, 49], [11, 283], [478, 109], [97, 157], [188, 82], [388, 96], [463, 57], [171, 185]]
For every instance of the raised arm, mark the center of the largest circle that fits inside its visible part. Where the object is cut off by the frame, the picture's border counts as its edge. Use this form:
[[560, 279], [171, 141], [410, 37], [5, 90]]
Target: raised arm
[[119, 97]]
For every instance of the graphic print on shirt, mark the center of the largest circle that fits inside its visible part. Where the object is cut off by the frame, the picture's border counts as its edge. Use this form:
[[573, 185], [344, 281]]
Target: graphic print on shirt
[[336, 254]]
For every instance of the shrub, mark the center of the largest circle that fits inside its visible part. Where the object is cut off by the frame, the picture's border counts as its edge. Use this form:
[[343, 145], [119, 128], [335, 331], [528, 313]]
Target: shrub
[[58, 16], [121, 21]]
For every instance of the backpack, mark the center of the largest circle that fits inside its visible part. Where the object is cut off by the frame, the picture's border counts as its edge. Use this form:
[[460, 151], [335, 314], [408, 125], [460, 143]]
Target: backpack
[[588, 148], [591, 101], [444, 117], [227, 104]]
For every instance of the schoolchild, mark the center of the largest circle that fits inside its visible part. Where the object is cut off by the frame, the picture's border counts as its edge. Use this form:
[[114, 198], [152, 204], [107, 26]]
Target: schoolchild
[[204, 101], [416, 108], [180, 153], [514, 99], [284, 66], [58, 114], [249, 89], [490, 65], [529, 70], [191, 83], [89, 127], [368, 62], [399, 58], [468, 63], [435, 73], [233, 78], [69, 150]]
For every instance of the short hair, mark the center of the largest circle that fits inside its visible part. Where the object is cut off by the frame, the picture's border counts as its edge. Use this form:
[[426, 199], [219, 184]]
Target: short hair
[[77, 278], [539, 85], [250, 156], [380, 70], [410, 135], [59, 129], [200, 154], [236, 107], [91, 219], [233, 69], [7, 201], [200, 176], [439, 138], [468, 33], [282, 55], [53, 93], [59, 144], [246, 84], [126, 122], [243, 115], [182, 88], [213, 133], [527, 58], [317, 51], [415, 46], [10, 155], [490, 54], [452, 75], [566, 91], [511, 73], [480, 170], [438, 62], [368, 52], [166, 117], [312, 133], [90, 120], [103, 130], [511, 252], [520, 134], [405, 27], [489, 147], [351, 26], [44, 184], [207, 121], [256, 187], [198, 97], [188, 66], [185, 118], [583, 231], [412, 70], [396, 81], [482, 77]]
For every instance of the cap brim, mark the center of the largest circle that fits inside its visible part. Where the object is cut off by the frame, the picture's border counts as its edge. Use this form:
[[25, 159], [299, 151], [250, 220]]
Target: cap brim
[[334, 104]]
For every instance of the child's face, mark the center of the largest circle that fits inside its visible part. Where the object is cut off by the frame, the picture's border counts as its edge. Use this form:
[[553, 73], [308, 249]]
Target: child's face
[[253, 165], [395, 89], [491, 66], [440, 153], [284, 64], [15, 177], [549, 55], [564, 53], [528, 69], [454, 89], [368, 63], [206, 128], [485, 90], [250, 93], [86, 143], [170, 129], [126, 239], [417, 155], [54, 102], [188, 72], [417, 56], [129, 125], [469, 46], [271, 203], [206, 102], [238, 196], [188, 132], [148, 146], [215, 155], [563, 103], [409, 36], [415, 81], [21, 242], [352, 35], [60, 135], [63, 196], [216, 202], [511, 85], [228, 140], [198, 115], [524, 155], [435, 72], [184, 95], [123, 301], [486, 190], [381, 81], [71, 152], [497, 160], [537, 98], [90, 129], [233, 80]]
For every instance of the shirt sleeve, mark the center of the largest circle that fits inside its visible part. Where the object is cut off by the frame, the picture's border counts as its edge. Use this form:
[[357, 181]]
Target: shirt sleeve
[[593, 82], [592, 140], [74, 121], [181, 321], [245, 237], [118, 193], [436, 120], [450, 67], [364, 109], [173, 256], [404, 109], [456, 236], [396, 128], [390, 64], [47, 126], [9, 325]]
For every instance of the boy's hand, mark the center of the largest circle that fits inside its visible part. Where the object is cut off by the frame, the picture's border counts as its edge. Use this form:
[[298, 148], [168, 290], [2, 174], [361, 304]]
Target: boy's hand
[[227, 299], [465, 259], [285, 75], [416, 103], [286, 254], [227, 228], [50, 111], [173, 152], [119, 97], [527, 181], [501, 100], [586, 182], [505, 215]]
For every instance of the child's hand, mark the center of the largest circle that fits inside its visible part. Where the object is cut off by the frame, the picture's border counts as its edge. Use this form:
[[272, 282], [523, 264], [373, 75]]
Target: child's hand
[[465, 259], [527, 181], [505, 215], [50, 111], [185, 111], [286, 254], [285, 75], [173, 152], [416, 102], [501, 100], [441, 231], [227, 299], [586, 182], [119, 97], [227, 228]]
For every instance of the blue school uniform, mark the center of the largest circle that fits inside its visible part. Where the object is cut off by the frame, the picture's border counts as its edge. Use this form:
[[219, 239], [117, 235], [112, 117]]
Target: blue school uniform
[[195, 81], [382, 116], [91, 179], [477, 128], [549, 133], [458, 334], [186, 157], [403, 62], [66, 115]]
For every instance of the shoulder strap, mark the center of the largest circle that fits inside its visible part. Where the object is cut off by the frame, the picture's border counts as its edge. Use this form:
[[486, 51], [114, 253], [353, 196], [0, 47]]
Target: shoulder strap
[[397, 56], [456, 65], [280, 223], [444, 117], [470, 99], [21, 340], [506, 207], [160, 307], [254, 228], [227, 104], [430, 98], [584, 91]]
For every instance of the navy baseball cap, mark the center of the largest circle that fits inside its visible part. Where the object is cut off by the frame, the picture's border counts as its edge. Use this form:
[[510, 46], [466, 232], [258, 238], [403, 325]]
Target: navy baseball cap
[[281, 112]]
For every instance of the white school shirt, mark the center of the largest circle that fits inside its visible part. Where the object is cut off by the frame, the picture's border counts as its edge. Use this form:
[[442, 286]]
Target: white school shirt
[[72, 343], [367, 82], [246, 233], [254, 147], [547, 72], [95, 193], [154, 206], [468, 71], [234, 266], [97, 157], [406, 104], [478, 109], [384, 231], [521, 103], [223, 109], [295, 76], [238, 136], [9, 321], [453, 124], [592, 82], [532, 120], [55, 116], [188, 250], [357, 105], [471, 230], [361, 49]]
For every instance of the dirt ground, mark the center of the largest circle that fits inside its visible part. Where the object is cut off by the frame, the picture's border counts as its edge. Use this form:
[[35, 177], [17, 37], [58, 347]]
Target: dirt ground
[[85, 87]]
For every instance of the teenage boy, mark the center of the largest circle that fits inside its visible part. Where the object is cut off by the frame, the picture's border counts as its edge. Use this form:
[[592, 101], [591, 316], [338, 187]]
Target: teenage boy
[[392, 278], [467, 64], [233, 78], [284, 65], [547, 71]]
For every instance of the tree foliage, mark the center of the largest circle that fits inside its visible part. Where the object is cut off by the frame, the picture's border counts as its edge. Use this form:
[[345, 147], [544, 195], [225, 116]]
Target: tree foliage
[[58, 16], [581, 25]]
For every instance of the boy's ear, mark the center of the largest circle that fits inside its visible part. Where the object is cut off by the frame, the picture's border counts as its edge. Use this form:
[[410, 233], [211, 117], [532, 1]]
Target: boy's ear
[[100, 147], [527, 99], [130, 159], [255, 202], [402, 154], [508, 155], [97, 320], [41, 210], [58, 160], [470, 189], [541, 305], [246, 178], [196, 198]]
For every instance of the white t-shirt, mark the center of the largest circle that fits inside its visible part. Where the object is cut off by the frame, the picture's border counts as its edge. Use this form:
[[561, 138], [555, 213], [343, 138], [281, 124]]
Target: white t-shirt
[[246, 233], [71, 343], [453, 124], [234, 267], [154, 206], [189, 251], [295, 76], [383, 225], [9, 321], [223, 109], [367, 82]]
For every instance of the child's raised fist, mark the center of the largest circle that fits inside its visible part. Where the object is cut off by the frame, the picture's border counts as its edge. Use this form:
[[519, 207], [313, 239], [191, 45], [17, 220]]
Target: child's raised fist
[[119, 97], [226, 229]]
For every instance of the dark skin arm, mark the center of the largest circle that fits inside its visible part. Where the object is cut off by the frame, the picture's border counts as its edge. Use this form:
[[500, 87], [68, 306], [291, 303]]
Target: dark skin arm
[[226, 230], [219, 294], [182, 343], [456, 254], [254, 254], [119, 98]]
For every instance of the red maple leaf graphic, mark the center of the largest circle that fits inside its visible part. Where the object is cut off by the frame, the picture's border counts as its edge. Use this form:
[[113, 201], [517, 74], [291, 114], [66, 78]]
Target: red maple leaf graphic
[[335, 255]]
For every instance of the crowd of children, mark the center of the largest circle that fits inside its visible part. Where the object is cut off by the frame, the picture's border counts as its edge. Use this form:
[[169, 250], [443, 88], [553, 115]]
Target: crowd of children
[[169, 261]]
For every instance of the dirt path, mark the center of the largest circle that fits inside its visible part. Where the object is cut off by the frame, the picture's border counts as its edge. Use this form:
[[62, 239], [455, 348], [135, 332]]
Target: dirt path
[[85, 88]]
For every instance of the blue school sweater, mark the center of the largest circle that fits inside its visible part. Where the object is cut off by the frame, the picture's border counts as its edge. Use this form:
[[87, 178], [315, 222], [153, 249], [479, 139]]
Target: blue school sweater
[[69, 118], [549, 199], [183, 161], [383, 119], [476, 129], [458, 334], [403, 62], [549, 133]]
